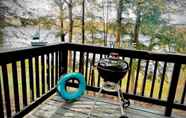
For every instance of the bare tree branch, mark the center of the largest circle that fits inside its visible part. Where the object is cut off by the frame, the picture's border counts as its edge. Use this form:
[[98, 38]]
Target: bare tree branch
[[67, 2]]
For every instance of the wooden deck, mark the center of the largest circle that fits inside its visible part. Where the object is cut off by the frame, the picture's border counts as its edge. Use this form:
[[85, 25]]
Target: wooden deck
[[56, 107]]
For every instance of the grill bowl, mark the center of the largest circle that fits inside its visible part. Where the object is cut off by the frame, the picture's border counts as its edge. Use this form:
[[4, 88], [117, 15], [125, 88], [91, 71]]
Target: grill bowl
[[112, 70]]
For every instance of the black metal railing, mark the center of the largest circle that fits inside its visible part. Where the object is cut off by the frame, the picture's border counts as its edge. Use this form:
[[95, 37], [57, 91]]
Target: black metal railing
[[147, 69], [28, 76]]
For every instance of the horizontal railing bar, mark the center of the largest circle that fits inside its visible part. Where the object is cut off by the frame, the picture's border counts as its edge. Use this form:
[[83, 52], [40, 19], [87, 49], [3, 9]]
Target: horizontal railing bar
[[33, 105], [129, 96], [147, 55], [25, 49], [179, 106], [27, 52], [134, 97], [35, 51]]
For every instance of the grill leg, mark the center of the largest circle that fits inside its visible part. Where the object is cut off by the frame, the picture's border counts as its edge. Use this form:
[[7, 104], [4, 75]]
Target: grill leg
[[121, 103], [93, 107]]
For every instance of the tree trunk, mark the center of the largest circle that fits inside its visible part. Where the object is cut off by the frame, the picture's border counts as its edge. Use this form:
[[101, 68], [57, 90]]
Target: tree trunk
[[70, 30], [135, 41], [71, 22], [83, 21], [118, 33], [2, 21], [104, 25], [137, 28], [92, 37], [61, 21], [81, 68]]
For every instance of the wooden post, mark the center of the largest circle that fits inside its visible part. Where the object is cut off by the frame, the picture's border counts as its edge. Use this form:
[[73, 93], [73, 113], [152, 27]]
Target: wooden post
[[64, 60], [81, 63], [172, 90]]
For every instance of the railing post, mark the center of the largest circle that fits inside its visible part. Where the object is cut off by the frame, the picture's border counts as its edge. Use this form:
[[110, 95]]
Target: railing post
[[63, 60], [81, 62], [1, 103], [172, 90]]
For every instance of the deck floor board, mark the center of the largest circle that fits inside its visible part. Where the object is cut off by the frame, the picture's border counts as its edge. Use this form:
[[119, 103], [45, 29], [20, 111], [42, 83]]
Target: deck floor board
[[56, 107]]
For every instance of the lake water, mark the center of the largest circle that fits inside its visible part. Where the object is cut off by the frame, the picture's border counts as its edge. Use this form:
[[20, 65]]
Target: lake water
[[22, 36]]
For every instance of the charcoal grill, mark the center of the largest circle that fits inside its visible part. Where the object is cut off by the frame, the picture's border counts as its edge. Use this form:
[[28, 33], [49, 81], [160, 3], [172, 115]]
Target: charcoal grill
[[112, 70]]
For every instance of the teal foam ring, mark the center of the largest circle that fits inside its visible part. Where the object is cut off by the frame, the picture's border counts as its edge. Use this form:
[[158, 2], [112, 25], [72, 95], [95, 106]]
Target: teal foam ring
[[61, 85]]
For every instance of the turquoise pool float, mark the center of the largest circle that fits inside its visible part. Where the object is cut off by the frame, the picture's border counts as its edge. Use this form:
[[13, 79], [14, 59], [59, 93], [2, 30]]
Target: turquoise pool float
[[61, 86]]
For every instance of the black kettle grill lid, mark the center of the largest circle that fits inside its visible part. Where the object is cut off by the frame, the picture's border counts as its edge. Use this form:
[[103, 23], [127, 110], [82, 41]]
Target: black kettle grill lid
[[113, 64]]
